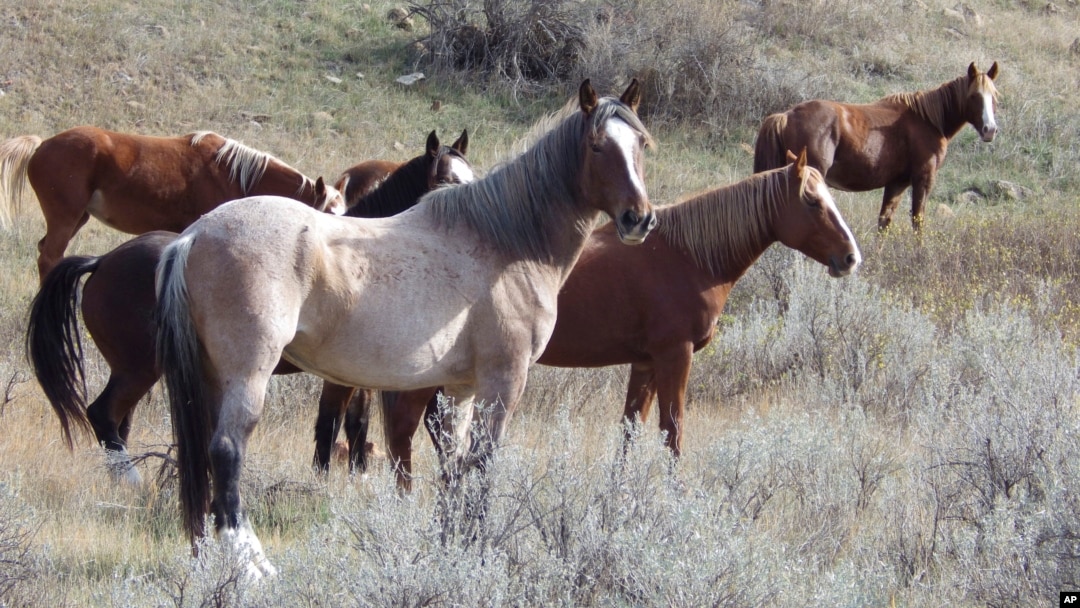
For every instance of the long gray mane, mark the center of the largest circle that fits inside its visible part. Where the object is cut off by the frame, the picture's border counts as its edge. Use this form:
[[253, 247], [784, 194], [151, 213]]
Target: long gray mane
[[246, 164], [728, 226], [512, 204]]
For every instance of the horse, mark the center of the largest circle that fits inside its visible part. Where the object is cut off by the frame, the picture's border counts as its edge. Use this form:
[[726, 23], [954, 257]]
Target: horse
[[117, 301], [652, 307], [360, 179], [893, 143], [138, 183], [458, 291]]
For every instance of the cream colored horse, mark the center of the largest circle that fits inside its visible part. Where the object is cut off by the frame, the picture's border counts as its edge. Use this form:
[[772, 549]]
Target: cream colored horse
[[459, 291]]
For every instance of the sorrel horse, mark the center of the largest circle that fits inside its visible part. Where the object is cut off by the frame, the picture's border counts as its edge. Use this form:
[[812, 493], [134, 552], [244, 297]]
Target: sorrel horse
[[360, 179], [138, 183], [653, 306], [459, 291], [117, 303], [893, 143]]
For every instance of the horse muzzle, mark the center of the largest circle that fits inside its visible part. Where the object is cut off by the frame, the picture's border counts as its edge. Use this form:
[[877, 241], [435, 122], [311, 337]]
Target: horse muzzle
[[842, 267], [988, 133], [633, 228]]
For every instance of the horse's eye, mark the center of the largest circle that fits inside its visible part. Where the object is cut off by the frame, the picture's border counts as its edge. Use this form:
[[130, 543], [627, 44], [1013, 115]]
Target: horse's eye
[[813, 202]]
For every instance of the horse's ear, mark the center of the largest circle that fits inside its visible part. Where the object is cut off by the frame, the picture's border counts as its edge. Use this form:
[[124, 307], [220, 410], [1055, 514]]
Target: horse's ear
[[631, 97], [588, 98], [432, 144], [320, 188], [992, 72], [972, 71], [800, 163], [462, 143], [791, 157]]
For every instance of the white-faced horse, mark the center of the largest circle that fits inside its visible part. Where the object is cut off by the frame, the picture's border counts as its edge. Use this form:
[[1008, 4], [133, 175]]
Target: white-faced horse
[[459, 291]]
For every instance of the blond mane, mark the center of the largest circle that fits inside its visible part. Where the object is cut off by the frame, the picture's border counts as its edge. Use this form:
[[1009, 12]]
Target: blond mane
[[246, 165], [937, 105], [729, 225]]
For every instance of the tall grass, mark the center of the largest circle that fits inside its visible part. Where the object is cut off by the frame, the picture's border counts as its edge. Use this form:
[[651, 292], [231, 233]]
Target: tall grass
[[903, 437]]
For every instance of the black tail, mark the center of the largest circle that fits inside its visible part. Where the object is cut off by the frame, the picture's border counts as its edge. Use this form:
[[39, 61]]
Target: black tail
[[769, 150], [54, 347], [179, 356]]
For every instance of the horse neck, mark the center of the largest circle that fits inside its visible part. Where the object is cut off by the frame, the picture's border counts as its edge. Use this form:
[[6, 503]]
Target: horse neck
[[401, 190], [942, 107], [529, 209], [724, 231], [282, 180]]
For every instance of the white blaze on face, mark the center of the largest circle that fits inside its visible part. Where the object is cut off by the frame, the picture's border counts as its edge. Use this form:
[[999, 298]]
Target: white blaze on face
[[831, 208], [461, 171], [989, 123], [627, 140]]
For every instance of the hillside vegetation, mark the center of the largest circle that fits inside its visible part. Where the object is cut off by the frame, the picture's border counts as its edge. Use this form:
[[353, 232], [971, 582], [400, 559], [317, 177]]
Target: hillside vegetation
[[903, 437]]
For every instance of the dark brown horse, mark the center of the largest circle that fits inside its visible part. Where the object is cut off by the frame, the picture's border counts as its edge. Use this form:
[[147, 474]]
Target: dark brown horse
[[360, 179], [893, 143], [117, 302], [137, 183], [653, 306]]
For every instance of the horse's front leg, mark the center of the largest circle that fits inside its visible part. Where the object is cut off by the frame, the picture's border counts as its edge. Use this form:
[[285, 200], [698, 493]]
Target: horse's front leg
[[672, 374], [890, 200], [497, 395], [332, 404], [402, 413]]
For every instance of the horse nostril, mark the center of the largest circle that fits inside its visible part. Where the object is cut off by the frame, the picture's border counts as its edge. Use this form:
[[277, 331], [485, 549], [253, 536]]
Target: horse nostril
[[653, 221], [851, 260], [630, 218]]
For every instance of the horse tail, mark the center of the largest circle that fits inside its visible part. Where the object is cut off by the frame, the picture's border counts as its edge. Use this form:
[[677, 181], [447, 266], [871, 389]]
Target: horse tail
[[179, 355], [53, 344], [769, 151], [15, 156]]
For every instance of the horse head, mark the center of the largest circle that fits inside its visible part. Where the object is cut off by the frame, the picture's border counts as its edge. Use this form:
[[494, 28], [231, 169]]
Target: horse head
[[328, 199], [447, 163], [810, 222], [981, 102], [613, 174]]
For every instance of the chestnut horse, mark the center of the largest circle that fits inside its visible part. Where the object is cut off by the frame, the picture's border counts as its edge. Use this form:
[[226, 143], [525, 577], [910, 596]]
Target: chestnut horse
[[893, 143], [138, 183], [360, 179], [653, 306], [117, 303], [459, 291]]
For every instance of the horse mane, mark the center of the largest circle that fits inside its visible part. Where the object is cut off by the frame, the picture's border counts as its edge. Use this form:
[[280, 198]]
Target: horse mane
[[506, 206], [246, 164], [730, 224], [936, 106], [394, 193]]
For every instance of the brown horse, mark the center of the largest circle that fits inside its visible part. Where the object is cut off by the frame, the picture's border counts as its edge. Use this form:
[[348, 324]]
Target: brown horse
[[117, 302], [653, 306], [893, 143], [459, 291], [137, 183], [360, 179]]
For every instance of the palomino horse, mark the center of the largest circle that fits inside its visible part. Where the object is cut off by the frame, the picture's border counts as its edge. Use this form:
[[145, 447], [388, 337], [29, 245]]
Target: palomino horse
[[653, 306], [117, 303], [459, 291], [137, 183], [360, 179], [893, 143]]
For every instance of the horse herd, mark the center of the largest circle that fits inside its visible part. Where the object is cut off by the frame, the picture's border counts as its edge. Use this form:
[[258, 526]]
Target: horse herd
[[434, 280]]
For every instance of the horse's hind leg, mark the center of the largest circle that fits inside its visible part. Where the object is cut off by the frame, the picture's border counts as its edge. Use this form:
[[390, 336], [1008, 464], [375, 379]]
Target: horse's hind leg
[[640, 393], [110, 416], [889, 201], [357, 418], [402, 413], [58, 233]]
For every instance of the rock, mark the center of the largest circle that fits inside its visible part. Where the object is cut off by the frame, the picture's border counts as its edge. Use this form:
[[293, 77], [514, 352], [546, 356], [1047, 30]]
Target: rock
[[333, 79], [410, 79], [943, 210], [322, 117], [1010, 191], [968, 197]]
